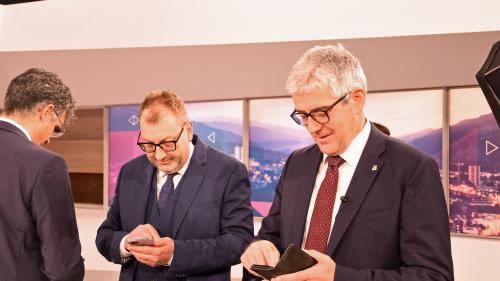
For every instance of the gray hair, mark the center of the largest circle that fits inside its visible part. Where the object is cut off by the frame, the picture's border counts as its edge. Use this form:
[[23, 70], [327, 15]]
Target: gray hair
[[327, 66], [37, 87]]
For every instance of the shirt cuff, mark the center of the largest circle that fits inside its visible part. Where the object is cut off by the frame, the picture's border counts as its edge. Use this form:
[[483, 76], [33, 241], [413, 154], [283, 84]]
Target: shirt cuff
[[123, 252]]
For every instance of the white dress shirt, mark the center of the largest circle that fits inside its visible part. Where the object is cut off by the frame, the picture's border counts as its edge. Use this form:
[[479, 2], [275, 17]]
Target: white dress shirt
[[161, 177], [5, 119], [346, 171]]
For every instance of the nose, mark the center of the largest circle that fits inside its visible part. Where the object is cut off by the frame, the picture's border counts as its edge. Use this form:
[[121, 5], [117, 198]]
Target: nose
[[159, 153], [312, 125]]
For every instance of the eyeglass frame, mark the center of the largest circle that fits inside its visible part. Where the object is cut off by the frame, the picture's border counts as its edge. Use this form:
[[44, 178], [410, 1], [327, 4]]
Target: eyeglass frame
[[59, 130], [309, 114], [174, 142]]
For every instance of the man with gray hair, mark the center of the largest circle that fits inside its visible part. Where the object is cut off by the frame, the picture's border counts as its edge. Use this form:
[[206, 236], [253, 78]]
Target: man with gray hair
[[364, 205], [38, 231]]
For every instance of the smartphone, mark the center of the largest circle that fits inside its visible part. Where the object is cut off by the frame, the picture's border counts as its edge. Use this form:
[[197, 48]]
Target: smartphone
[[140, 240]]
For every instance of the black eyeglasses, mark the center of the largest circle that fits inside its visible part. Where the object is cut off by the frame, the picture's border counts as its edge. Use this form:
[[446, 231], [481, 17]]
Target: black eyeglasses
[[166, 146], [319, 115], [58, 129]]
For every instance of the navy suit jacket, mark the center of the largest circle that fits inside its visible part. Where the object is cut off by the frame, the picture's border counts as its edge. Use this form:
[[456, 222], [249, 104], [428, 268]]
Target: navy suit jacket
[[393, 225], [212, 221], [38, 232]]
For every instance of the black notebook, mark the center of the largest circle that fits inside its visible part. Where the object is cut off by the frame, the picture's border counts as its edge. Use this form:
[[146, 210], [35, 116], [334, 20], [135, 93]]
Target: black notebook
[[293, 260]]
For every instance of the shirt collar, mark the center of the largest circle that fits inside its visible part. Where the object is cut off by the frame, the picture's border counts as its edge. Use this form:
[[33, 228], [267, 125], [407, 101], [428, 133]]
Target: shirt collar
[[353, 152], [182, 171], [19, 126]]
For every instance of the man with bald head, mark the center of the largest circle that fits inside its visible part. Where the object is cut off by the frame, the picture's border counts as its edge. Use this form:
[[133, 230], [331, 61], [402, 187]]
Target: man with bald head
[[366, 206], [192, 201]]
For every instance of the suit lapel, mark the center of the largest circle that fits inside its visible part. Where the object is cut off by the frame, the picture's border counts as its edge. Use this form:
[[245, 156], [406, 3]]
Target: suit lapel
[[368, 167], [190, 183], [141, 194], [305, 189]]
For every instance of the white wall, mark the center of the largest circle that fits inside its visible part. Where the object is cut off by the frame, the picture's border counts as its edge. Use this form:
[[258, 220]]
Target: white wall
[[88, 221], [2, 8], [216, 72], [81, 24], [475, 258]]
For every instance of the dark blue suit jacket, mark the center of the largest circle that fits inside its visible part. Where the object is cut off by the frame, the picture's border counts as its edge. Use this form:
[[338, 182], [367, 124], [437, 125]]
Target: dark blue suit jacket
[[213, 217], [38, 232], [394, 224]]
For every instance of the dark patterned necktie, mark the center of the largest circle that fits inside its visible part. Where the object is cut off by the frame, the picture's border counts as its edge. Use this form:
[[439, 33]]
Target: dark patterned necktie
[[321, 219], [166, 191]]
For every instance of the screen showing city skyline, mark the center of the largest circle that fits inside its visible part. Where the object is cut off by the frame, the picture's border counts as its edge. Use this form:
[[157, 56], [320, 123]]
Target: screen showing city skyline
[[474, 165]]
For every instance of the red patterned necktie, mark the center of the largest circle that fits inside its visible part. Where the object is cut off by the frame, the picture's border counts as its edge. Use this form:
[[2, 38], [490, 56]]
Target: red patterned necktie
[[321, 219]]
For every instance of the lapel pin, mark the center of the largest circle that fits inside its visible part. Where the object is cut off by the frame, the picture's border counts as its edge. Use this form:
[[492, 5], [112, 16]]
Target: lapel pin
[[374, 167]]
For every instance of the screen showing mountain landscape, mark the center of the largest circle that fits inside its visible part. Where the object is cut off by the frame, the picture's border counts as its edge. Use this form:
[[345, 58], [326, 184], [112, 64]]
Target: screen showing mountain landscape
[[414, 117], [273, 136], [474, 165], [218, 124]]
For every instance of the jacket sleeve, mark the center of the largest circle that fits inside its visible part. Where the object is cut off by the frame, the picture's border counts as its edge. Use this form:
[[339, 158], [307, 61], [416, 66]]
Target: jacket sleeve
[[53, 212], [425, 249], [271, 224], [110, 233], [198, 256]]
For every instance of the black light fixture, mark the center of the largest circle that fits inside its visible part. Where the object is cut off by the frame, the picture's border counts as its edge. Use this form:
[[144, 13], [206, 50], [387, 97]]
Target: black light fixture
[[10, 2], [489, 80]]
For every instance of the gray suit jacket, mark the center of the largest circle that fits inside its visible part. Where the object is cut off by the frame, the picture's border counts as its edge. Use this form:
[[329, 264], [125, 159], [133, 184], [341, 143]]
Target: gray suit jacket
[[38, 232], [212, 223], [393, 225]]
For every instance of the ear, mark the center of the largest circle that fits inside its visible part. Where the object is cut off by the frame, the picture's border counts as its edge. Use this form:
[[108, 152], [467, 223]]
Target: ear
[[189, 129], [358, 97], [45, 111]]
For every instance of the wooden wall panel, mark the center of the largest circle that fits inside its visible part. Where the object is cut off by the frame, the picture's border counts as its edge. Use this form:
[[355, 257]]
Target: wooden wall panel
[[87, 187], [82, 156], [82, 148]]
